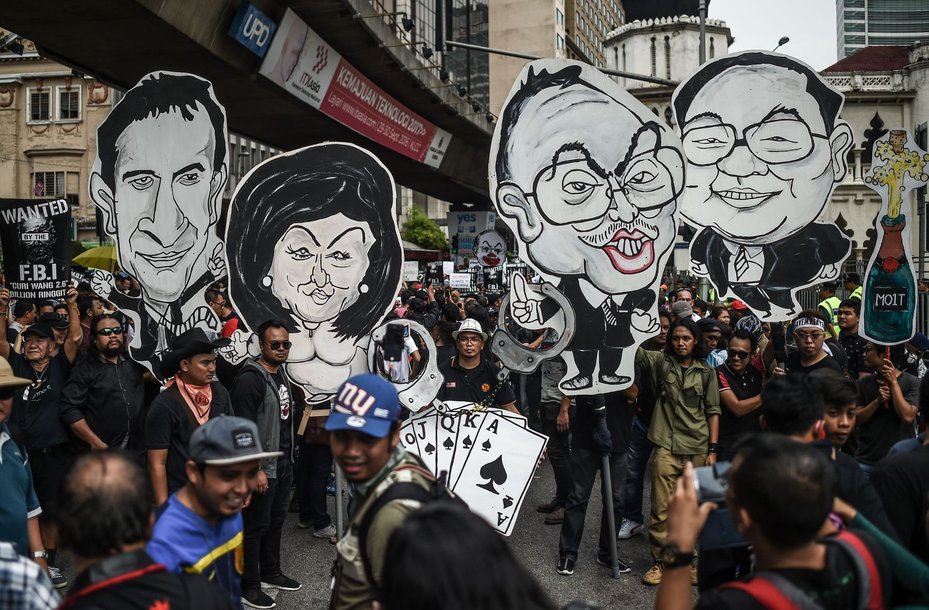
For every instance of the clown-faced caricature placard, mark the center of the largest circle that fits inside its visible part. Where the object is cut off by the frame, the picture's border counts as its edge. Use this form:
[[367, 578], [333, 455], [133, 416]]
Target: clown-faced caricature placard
[[765, 148], [587, 179], [158, 181], [490, 249]]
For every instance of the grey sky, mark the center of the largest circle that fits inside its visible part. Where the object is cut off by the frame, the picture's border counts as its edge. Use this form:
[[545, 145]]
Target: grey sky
[[756, 24]]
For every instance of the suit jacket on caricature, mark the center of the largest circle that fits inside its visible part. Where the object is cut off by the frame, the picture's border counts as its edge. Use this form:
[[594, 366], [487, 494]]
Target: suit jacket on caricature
[[153, 338], [602, 325], [790, 263]]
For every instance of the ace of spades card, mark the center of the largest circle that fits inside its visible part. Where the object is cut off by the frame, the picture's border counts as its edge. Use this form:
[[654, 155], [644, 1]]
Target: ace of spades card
[[498, 470]]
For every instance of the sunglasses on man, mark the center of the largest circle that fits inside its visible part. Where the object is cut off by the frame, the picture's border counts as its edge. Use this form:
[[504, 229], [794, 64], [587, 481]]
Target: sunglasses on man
[[106, 332]]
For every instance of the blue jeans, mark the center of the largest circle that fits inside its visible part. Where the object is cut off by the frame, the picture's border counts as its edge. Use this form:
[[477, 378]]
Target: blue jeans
[[637, 457]]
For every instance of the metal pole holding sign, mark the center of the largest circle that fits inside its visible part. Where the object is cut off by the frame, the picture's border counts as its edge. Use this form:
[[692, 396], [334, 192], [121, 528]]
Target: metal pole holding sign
[[606, 484], [339, 510]]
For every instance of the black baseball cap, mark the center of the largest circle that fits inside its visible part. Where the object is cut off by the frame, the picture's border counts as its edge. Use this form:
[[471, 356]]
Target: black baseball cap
[[39, 329], [227, 440]]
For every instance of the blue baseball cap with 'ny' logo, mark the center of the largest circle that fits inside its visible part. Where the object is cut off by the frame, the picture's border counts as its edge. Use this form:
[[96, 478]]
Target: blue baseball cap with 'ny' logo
[[365, 403]]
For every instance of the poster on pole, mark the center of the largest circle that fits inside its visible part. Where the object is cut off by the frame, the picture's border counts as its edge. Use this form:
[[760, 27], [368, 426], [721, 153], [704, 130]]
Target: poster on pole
[[888, 310], [36, 247]]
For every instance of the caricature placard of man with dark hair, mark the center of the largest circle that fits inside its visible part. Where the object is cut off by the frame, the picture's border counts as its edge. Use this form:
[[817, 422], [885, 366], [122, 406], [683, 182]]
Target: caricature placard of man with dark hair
[[765, 148], [158, 180], [587, 180]]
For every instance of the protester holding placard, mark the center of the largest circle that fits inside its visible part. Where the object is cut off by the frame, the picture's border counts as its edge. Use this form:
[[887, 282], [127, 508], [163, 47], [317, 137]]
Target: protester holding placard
[[35, 419]]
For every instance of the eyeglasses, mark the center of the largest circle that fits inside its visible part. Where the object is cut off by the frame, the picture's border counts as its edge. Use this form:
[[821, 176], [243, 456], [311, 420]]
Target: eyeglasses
[[276, 345], [737, 355], [470, 339], [774, 142], [813, 336], [106, 332], [649, 181]]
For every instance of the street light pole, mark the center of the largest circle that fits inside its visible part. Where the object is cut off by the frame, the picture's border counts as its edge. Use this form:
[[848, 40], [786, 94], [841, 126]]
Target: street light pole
[[702, 32]]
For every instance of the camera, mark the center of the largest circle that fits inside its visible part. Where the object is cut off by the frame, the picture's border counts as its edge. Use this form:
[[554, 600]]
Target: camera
[[711, 482]]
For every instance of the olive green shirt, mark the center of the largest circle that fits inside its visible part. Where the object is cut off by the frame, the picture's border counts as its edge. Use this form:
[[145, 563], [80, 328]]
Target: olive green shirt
[[686, 399]]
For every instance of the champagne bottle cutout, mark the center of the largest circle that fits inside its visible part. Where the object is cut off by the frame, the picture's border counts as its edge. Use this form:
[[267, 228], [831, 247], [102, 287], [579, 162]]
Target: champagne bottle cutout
[[889, 306]]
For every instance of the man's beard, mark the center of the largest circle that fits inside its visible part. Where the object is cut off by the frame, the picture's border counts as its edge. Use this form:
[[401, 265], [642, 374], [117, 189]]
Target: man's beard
[[111, 352]]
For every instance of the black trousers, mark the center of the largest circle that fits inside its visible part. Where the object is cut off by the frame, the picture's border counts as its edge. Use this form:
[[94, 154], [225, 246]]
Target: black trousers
[[559, 452], [314, 463], [585, 464], [262, 521]]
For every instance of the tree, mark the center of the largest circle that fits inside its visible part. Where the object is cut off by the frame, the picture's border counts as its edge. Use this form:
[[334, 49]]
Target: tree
[[423, 231]]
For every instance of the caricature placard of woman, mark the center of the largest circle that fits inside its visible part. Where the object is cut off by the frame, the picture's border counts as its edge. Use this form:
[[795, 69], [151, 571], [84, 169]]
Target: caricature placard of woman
[[312, 241]]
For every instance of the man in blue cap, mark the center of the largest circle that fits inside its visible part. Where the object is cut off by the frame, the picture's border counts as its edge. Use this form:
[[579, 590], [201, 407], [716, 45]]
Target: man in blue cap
[[365, 442]]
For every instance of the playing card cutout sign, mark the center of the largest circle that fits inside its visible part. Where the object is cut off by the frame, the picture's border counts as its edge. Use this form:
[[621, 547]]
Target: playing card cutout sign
[[765, 148], [489, 456], [587, 179], [888, 309]]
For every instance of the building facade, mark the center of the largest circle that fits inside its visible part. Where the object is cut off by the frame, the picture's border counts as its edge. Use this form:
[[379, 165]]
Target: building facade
[[861, 23], [572, 29], [49, 117], [885, 88]]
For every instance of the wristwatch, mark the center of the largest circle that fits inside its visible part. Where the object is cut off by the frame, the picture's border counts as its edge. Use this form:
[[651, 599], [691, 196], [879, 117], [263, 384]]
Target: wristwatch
[[43, 554], [673, 557]]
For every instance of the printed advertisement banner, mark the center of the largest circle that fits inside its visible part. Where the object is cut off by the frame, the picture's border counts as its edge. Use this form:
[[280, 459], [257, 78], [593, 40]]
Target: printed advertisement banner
[[308, 68], [36, 238]]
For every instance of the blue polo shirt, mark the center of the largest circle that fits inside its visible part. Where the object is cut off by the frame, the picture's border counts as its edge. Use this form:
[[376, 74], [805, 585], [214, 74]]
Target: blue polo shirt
[[19, 500], [186, 542]]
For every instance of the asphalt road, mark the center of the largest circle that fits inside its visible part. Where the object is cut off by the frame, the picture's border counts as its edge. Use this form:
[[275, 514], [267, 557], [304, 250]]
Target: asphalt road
[[309, 559]]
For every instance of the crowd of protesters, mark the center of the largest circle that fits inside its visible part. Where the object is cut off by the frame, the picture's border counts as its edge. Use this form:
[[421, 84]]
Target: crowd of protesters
[[813, 433]]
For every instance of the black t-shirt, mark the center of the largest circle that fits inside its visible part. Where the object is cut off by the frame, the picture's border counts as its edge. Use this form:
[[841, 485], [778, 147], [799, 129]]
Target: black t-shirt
[[853, 486], [794, 366], [903, 484], [877, 435], [444, 353], [169, 425], [473, 385], [618, 421], [748, 384], [854, 349], [36, 418], [287, 407], [834, 588]]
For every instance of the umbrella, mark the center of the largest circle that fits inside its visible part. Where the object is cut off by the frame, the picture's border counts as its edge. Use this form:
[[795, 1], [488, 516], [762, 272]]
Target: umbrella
[[101, 257]]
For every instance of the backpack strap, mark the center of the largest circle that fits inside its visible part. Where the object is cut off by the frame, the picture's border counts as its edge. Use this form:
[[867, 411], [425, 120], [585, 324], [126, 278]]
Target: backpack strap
[[773, 592], [397, 491], [870, 592]]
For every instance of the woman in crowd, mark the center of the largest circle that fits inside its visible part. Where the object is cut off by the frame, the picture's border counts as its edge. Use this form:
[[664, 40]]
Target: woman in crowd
[[685, 423]]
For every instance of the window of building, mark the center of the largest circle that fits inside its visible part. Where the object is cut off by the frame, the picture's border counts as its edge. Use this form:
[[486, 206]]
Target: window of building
[[48, 184], [624, 58], [559, 42], [654, 59], [69, 103], [667, 57], [40, 105], [712, 49], [559, 17]]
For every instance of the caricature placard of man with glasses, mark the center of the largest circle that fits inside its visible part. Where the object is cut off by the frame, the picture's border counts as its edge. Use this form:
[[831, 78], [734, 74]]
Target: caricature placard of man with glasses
[[765, 147], [587, 180]]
